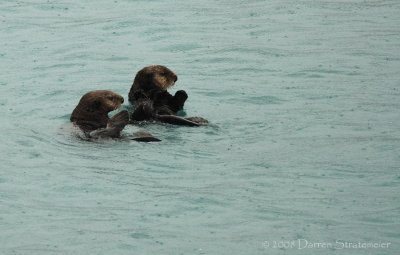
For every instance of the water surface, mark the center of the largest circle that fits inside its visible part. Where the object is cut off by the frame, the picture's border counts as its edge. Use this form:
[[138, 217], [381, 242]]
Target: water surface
[[304, 140]]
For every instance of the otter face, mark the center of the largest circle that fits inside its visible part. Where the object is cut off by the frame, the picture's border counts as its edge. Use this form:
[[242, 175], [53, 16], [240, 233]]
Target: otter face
[[92, 110], [101, 101], [160, 76]]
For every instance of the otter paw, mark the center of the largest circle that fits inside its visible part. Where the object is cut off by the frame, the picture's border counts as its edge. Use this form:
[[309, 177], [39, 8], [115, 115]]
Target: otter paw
[[181, 95]]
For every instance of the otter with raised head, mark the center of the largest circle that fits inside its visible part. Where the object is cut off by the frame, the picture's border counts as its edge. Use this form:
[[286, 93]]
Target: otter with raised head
[[151, 99], [91, 114], [151, 83]]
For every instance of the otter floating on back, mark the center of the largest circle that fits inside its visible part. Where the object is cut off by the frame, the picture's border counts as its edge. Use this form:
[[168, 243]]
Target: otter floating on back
[[151, 99], [91, 114]]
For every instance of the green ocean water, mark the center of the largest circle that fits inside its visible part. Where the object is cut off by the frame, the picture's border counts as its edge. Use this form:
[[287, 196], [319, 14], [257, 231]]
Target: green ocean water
[[302, 153]]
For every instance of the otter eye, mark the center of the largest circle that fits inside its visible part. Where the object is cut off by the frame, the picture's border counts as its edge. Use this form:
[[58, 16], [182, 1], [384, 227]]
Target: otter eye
[[163, 73]]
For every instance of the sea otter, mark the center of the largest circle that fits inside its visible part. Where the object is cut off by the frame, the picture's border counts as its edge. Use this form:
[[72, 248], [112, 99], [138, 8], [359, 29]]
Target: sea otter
[[151, 83], [151, 99], [91, 114]]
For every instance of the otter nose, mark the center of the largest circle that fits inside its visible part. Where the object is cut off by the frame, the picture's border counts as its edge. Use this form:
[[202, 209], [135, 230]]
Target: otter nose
[[122, 100], [175, 78]]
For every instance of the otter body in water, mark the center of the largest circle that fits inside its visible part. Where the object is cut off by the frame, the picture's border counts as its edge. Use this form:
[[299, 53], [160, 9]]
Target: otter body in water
[[151, 99], [151, 83], [91, 114]]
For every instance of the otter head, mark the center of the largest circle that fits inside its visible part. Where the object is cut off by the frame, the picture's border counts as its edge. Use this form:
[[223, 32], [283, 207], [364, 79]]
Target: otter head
[[155, 76], [95, 104]]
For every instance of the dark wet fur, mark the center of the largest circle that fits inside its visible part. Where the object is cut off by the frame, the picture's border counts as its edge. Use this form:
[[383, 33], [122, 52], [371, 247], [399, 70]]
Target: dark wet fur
[[119, 120], [89, 119], [152, 101], [145, 110], [114, 126], [151, 83], [91, 113]]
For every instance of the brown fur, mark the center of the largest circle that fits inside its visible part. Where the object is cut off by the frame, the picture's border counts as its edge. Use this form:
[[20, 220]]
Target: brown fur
[[91, 113], [150, 87], [150, 78]]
